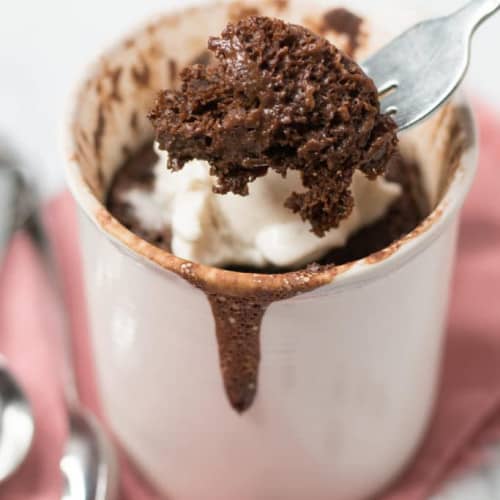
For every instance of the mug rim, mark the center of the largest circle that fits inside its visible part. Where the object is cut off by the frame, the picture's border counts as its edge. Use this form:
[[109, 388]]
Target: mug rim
[[216, 280]]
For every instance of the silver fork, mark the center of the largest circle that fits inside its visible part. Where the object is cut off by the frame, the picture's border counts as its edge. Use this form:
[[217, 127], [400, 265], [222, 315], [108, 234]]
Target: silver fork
[[420, 69]]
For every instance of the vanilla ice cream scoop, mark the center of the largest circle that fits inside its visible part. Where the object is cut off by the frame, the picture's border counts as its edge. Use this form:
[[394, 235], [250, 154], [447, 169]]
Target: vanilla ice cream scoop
[[256, 230]]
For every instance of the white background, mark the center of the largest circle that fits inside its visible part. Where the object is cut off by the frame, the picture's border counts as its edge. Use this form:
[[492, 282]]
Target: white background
[[45, 44]]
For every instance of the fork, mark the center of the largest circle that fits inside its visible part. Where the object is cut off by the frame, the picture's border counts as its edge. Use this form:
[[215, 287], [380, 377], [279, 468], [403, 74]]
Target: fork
[[420, 69]]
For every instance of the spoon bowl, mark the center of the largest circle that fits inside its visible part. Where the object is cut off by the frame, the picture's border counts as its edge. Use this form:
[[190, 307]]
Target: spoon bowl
[[17, 424], [88, 464], [85, 465]]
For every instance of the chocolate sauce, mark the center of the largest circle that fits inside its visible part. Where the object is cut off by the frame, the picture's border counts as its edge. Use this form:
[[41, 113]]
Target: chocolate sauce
[[238, 321], [237, 324]]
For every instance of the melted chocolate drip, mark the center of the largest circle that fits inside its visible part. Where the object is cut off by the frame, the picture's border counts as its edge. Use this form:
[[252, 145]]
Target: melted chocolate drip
[[237, 323]]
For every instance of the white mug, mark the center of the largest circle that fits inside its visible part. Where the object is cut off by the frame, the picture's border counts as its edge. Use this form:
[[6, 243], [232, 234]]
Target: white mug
[[348, 372]]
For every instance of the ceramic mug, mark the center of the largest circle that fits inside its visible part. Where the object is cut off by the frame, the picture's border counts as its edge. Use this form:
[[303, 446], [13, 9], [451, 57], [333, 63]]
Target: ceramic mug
[[348, 372]]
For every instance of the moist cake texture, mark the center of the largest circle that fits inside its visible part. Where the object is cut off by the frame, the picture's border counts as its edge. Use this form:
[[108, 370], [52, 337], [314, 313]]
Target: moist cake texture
[[281, 98]]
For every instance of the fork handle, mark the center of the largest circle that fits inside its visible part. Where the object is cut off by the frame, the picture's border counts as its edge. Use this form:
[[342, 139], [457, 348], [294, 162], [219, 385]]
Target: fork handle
[[477, 11]]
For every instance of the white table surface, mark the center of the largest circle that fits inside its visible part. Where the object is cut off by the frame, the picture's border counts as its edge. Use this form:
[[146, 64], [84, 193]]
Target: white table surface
[[45, 44]]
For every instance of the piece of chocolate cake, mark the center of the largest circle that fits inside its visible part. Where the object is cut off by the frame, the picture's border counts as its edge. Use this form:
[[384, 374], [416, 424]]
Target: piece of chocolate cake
[[280, 97]]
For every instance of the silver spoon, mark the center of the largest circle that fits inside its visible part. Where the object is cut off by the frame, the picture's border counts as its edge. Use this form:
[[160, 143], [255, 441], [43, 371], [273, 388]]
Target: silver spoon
[[17, 423], [419, 70], [88, 463]]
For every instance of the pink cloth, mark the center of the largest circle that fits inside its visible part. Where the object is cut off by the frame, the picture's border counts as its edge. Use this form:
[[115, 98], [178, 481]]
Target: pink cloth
[[468, 409]]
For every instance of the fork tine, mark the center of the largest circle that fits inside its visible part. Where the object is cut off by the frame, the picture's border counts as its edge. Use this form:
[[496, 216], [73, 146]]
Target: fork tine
[[390, 103], [387, 87]]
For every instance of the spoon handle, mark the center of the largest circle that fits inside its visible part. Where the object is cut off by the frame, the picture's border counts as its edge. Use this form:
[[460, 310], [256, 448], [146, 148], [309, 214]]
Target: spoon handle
[[13, 206], [476, 12], [35, 228]]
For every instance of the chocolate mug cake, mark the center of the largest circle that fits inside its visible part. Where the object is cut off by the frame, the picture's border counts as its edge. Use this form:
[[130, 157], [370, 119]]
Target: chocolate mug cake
[[250, 329]]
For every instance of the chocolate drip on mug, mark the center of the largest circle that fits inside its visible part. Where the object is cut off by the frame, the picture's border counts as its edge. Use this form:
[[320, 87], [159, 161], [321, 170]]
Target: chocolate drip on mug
[[238, 320], [238, 323]]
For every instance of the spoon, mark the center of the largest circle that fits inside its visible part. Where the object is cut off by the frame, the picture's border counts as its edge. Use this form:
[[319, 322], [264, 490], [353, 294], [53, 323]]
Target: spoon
[[17, 423], [88, 463], [419, 70]]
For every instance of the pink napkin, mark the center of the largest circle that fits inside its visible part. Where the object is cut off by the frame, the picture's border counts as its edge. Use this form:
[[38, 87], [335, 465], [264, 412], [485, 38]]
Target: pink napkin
[[468, 410]]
